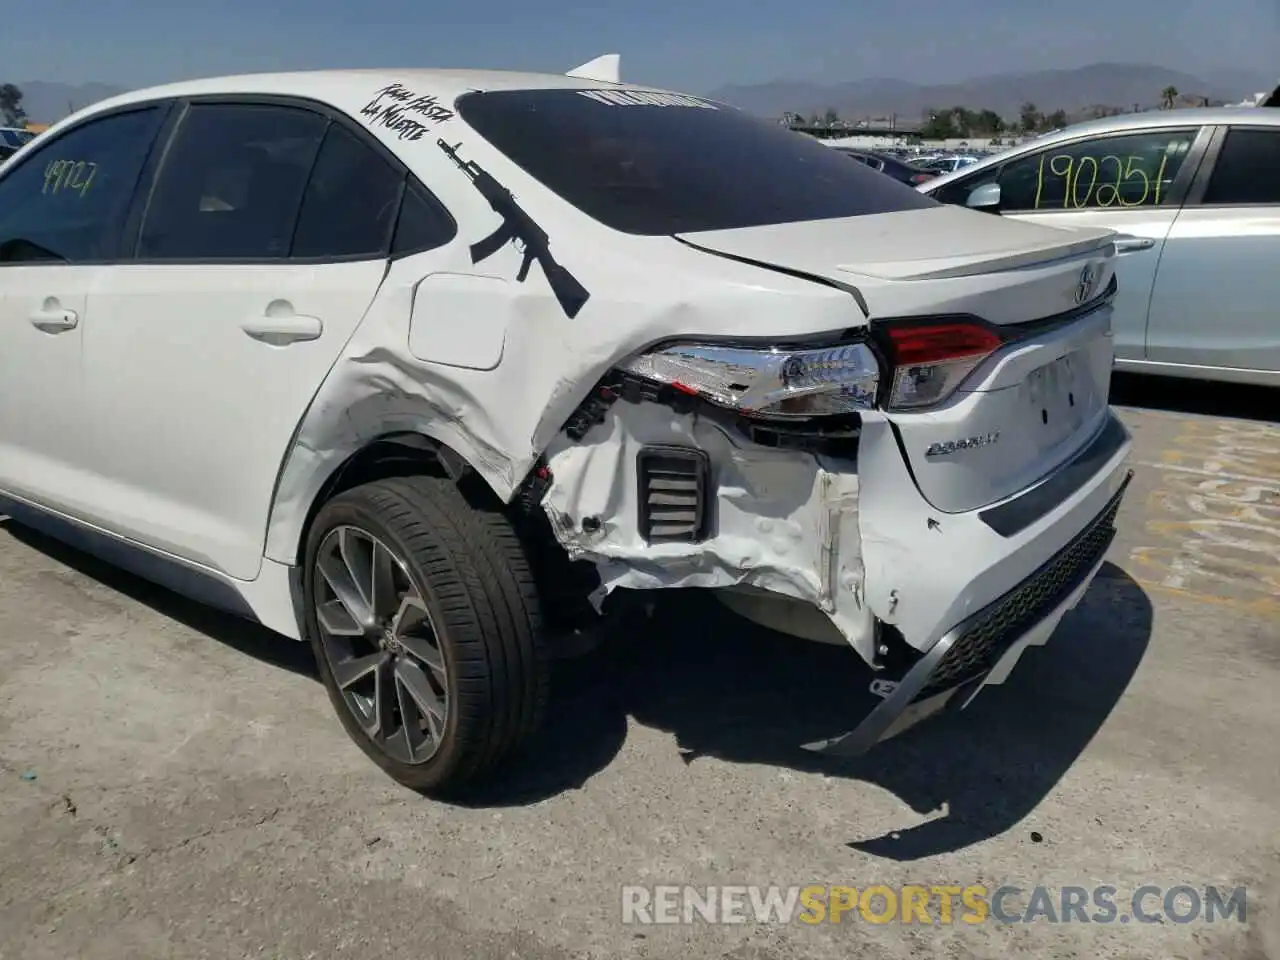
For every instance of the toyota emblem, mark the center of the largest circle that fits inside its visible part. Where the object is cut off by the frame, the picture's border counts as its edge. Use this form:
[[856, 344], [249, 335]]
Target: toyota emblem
[[1088, 281]]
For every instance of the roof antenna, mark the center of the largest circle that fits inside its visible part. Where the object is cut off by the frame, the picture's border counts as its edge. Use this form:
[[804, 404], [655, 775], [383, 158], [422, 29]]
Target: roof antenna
[[603, 69]]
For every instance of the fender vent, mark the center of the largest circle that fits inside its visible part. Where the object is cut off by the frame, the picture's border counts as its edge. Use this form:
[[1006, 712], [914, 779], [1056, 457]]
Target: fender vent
[[674, 494]]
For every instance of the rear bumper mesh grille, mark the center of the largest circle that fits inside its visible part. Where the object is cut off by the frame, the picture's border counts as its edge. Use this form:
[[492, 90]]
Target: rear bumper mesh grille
[[989, 633], [673, 494]]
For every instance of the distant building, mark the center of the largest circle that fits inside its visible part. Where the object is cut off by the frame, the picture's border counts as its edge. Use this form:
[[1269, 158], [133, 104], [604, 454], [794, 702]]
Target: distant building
[[1267, 98]]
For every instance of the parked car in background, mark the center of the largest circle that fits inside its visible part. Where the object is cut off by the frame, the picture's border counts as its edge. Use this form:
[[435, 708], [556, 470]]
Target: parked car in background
[[426, 367], [1195, 195], [12, 139], [901, 171], [947, 164]]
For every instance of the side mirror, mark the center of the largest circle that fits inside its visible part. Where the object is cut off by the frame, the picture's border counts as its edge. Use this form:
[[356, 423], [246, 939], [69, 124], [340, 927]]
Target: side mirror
[[985, 198]]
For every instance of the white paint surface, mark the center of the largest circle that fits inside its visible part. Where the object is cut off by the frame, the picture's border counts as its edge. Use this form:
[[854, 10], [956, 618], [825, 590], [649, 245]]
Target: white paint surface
[[458, 320]]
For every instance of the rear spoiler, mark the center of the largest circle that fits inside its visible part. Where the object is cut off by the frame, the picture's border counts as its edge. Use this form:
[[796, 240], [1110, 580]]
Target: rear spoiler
[[603, 69]]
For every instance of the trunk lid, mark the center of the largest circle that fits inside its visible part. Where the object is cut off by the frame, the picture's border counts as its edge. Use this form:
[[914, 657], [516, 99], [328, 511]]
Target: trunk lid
[[930, 244], [1025, 410]]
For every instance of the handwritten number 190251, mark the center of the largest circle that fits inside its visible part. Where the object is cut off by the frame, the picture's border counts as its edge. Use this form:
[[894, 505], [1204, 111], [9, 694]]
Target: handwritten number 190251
[[1099, 182]]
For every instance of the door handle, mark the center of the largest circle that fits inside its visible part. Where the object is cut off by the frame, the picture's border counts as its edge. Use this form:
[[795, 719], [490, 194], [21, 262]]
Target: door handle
[[1133, 244], [280, 331], [54, 321]]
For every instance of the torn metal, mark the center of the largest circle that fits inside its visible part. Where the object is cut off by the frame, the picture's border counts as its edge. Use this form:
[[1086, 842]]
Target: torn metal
[[781, 520]]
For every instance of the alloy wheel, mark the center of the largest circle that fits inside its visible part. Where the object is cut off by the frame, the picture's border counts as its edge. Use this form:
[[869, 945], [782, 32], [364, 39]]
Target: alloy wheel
[[380, 643]]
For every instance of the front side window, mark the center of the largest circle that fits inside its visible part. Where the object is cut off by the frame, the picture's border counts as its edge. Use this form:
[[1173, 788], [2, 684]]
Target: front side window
[[1248, 169], [1133, 170], [232, 183], [655, 163], [65, 202]]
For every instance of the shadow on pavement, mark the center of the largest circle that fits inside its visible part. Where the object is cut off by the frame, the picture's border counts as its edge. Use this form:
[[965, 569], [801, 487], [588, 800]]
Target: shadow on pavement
[[729, 689], [255, 640], [1179, 395]]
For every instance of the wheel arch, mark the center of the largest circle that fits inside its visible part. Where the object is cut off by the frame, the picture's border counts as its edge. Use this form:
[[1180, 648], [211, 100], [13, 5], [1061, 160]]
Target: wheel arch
[[310, 477]]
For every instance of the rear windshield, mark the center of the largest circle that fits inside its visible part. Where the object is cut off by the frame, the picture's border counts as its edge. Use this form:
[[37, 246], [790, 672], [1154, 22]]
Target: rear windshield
[[651, 163]]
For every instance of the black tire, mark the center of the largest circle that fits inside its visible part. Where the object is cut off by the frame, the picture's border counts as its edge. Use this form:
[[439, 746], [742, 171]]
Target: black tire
[[474, 579]]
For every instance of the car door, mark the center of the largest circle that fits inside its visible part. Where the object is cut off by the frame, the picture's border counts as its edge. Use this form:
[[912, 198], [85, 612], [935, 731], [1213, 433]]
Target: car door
[[1217, 287], [60, 213], [1131, 182], [264, 241]]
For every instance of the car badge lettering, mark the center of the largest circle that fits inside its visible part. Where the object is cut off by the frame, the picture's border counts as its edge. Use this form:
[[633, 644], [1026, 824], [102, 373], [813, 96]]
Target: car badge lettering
[[944, 448]]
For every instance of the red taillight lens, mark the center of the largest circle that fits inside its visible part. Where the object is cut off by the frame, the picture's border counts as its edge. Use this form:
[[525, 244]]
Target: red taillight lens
[[922, 178], [930, 361], [927, 343]]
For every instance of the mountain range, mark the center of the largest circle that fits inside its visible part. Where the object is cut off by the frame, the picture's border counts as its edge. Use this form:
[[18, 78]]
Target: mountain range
[[1113, 84]]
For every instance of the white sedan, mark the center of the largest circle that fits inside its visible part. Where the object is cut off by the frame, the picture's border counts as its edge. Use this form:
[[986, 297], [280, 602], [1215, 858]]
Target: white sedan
[[1195, 197], [422, 366]]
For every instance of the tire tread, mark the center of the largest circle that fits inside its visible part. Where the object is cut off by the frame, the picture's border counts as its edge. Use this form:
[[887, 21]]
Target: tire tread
[[481, 585]]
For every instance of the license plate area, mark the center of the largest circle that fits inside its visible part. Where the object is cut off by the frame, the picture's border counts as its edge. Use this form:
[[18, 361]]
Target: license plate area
[[1058, 397]]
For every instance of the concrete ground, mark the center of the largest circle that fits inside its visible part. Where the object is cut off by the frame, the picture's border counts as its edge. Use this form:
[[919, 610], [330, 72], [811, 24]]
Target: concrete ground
[[173, 784]]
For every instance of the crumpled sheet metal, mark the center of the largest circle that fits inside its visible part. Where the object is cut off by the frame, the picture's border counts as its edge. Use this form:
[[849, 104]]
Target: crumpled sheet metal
[[501, 420], [783, 521]]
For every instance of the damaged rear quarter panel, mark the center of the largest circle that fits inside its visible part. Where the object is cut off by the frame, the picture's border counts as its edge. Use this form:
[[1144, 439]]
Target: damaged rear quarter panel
[[501, 420]]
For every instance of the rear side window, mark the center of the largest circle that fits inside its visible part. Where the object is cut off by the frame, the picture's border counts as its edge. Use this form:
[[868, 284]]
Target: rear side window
[[351, 201], [424, 223], [231, 183], [649, 163], [1248, 169], [65, 201]]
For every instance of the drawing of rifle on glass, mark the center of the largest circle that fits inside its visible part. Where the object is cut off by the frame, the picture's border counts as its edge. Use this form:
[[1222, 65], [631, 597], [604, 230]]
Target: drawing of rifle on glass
[[517, 225]]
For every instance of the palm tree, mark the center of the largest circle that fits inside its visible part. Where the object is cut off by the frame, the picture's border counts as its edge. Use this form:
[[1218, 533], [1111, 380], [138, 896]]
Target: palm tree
[[1029, 117], [1170, 96]]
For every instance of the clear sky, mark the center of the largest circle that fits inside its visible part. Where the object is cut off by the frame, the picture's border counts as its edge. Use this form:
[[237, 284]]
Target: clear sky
[[690, 44]]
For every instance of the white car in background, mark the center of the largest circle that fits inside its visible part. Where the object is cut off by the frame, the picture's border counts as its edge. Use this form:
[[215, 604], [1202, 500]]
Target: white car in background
[[947, 164], [1195, 196], [421, 366], [12, 139]]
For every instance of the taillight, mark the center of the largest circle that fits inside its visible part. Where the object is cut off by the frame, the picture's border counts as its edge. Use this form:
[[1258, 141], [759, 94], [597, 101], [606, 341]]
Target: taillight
[[921, 177], [773, 382], [931, 360]]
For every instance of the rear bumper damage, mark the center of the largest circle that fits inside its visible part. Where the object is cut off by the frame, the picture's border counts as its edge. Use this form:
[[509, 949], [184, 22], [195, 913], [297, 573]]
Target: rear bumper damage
[[937, 604], [984, 647]]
